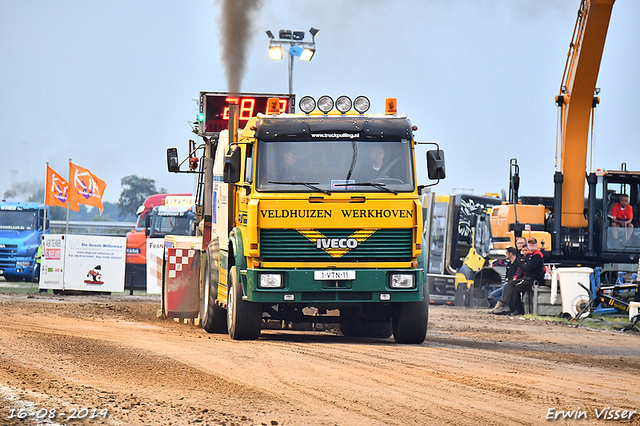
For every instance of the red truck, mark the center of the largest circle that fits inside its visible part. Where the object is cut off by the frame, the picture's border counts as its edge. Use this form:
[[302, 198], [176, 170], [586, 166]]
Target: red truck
[[136, 265]]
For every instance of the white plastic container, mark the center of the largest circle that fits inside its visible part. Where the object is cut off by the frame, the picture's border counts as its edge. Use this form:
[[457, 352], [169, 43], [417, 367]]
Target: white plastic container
[[574, 297], [633, 309]]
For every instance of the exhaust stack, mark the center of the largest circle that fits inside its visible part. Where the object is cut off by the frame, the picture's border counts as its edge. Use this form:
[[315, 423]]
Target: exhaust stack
[[233, 124]]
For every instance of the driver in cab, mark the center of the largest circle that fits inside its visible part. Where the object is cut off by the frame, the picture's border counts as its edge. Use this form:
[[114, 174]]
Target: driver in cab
[[373, 165], [377, 165], [291, 167], [621, 216]]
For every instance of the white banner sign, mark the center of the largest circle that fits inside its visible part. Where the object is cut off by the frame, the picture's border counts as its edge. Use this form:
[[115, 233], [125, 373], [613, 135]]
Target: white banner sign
[[51, 268], [90, 263], [155, 252]]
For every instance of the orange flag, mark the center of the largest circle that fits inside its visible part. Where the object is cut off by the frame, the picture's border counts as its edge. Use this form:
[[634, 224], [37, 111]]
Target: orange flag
[[57, 191], [85, 187]]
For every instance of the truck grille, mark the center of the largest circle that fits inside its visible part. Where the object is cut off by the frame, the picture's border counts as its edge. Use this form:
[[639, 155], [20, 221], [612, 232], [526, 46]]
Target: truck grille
[[7, 255], [388, 245]]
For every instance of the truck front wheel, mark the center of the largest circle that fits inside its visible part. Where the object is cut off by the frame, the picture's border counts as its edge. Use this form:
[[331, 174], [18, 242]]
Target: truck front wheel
[[410, 320], [462, 296], [244, 319], [213, 316]]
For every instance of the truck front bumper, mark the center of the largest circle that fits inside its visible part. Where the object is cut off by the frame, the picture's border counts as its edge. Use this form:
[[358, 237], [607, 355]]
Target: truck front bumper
[[21, 269], [303, 286]]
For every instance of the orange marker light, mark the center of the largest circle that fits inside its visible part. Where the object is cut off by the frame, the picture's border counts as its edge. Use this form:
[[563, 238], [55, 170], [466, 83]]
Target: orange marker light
[[391, 107], [273, 106]]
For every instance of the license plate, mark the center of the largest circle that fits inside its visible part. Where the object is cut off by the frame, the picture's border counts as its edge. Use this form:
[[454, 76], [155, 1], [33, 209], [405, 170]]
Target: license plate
[[334, 275]]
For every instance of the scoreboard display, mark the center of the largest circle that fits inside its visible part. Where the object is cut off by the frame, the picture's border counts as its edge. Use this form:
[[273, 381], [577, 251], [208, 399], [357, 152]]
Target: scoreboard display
[[214, 108]]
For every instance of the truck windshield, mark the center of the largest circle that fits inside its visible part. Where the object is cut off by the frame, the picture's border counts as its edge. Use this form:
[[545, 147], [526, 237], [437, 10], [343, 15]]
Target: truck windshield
[[18, 220], [334, 166], [171, 225]]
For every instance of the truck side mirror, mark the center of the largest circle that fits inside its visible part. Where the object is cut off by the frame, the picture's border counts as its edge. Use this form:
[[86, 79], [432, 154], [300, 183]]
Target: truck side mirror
[[435, 164], [231, 173], [172, 160]]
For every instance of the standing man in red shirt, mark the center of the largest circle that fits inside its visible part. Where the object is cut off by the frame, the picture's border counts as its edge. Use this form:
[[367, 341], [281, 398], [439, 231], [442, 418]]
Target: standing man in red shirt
[[621, 216]]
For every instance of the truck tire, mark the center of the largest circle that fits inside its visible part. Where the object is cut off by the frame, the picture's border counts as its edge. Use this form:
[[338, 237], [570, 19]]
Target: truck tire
[[462, 296], [214, 318], [35, 277], [410, 320], [244, 319], [376, 330]]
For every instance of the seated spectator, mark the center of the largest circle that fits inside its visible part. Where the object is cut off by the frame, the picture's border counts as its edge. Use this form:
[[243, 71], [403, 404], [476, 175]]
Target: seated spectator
[[621, 216], [531, 271], [512, 270]]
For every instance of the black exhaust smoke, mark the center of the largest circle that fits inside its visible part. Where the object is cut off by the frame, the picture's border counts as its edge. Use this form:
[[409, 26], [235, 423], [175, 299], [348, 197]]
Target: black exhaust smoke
[[237, 29]]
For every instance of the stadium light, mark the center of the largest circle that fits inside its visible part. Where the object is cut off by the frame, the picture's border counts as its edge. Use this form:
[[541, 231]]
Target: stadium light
[[297, 47]]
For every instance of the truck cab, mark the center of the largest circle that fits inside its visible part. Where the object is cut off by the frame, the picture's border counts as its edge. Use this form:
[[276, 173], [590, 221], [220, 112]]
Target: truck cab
[[136, 262], [614, 243], [313, 214], [21, 228], [171, 220]]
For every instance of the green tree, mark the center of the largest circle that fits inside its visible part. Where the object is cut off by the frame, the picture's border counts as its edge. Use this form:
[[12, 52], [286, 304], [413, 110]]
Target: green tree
[[36, 197], [134, 191]]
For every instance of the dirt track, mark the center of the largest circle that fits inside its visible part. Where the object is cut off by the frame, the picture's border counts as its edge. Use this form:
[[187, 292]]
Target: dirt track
[[70, 352]]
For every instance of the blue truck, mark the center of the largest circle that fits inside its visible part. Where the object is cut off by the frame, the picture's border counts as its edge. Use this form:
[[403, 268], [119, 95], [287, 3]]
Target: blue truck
[[21, 228]]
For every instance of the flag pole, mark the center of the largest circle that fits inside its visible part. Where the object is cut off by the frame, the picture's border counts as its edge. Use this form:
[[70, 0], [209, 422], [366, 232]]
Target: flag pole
[[44, 196], [44, 223], [66, 233], [68, 195]]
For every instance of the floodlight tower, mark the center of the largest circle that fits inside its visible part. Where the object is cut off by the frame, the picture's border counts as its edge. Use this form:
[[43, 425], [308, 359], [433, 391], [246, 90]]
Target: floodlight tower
[[297, 47]]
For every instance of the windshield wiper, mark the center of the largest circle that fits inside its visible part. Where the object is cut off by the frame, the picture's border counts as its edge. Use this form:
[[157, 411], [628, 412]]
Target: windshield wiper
[[374, 184], [354, 159], [310, 185]]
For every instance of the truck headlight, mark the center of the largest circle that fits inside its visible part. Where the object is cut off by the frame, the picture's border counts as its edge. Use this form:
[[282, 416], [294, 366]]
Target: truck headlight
[[402, 280], [22, 264], [343, 104], [307, 104], [361, 104], [325, 103], [270, 281]]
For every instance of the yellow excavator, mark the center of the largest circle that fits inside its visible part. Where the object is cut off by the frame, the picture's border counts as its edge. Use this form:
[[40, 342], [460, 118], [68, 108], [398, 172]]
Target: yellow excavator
[[571, 229]]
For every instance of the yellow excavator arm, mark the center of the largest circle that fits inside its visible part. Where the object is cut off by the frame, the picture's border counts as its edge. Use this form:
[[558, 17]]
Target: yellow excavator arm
[[576, 101]]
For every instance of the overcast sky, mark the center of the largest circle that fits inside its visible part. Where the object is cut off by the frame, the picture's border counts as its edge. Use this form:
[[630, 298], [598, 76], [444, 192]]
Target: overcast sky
[[110, 84]]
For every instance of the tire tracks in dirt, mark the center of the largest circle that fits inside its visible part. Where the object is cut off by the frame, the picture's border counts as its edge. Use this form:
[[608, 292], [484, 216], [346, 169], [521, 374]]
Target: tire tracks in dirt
[[474, 369]]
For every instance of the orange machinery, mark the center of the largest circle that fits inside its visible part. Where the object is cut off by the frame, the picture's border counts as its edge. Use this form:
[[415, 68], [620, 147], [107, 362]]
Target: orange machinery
[[575, 230]]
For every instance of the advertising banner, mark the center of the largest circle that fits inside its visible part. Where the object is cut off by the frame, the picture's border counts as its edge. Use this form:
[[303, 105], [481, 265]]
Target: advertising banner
[[52, 272], [183, 289], [95, 263], [83, 262], [155, 251]]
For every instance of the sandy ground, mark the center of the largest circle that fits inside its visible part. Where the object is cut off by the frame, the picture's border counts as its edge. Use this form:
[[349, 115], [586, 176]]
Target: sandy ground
[[110, 360]]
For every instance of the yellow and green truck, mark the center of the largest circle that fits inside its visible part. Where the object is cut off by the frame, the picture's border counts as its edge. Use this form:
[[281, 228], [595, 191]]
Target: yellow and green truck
[[312, 214]]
